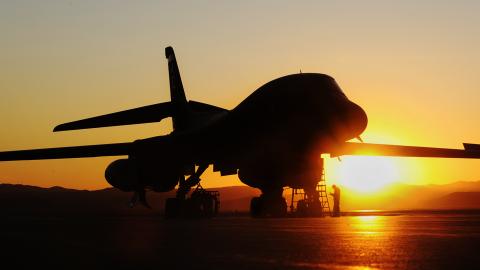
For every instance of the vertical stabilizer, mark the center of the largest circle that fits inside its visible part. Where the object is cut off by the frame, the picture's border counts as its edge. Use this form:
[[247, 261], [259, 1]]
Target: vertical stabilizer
[[179, 101]]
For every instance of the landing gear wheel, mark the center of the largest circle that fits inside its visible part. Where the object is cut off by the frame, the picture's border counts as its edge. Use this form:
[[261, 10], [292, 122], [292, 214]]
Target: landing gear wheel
[[277, 207], [268, 207], [315, 209], [302, 208], [173, 207], [256, 207]]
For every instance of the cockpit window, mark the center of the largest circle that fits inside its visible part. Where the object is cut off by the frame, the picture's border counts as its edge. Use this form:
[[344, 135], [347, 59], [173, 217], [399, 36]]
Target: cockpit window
[[337, 88]]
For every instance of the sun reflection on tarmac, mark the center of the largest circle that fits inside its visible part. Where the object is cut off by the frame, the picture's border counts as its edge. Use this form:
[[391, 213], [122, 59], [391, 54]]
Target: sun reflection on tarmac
[[368, 225]]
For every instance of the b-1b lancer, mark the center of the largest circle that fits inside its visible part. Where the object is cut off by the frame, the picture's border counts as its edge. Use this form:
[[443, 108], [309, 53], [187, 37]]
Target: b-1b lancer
[[272, 139]]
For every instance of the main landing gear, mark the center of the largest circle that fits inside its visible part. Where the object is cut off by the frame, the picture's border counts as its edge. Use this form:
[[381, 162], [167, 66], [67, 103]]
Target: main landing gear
[[308, 201], [303, 204], [311, 201], [269, 204]]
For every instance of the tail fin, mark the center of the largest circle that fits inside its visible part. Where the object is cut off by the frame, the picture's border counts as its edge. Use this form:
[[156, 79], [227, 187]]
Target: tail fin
[[180, 108]]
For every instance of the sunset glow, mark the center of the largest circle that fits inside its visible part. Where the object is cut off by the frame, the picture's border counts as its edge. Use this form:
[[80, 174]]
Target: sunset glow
[[367, 174], [416, 79]]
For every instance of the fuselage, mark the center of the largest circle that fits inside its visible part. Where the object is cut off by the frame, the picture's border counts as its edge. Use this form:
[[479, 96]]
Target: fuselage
[[276, 135], [285, 125], [299, 109]]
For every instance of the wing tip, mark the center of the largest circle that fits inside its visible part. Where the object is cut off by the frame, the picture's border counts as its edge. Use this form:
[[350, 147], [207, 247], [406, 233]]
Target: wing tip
[[61, 127]]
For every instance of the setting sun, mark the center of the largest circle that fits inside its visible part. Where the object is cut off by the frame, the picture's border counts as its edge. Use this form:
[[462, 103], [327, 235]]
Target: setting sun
[[367, 174]]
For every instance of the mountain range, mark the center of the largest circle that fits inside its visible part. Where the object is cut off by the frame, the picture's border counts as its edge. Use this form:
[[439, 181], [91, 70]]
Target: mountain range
[[29, 200], [399, 196]]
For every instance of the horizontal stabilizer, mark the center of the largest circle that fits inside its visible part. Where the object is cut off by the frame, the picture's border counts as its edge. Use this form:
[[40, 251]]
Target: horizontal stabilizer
[[113, 149], [141, 115], [147, 114]]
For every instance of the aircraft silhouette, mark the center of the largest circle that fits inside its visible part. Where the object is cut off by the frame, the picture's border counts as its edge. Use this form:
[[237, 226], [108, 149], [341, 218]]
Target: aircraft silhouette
[[272, 139]]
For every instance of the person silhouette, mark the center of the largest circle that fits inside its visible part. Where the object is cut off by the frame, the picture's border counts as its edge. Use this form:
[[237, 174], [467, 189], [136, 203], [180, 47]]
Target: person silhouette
[[336, 201]]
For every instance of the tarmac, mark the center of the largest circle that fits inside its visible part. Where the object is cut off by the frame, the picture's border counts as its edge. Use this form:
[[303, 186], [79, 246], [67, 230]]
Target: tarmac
[[420, 240]]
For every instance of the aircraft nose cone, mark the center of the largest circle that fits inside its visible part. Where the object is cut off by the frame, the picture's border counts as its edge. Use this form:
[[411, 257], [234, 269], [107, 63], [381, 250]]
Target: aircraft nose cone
[[357, 119]]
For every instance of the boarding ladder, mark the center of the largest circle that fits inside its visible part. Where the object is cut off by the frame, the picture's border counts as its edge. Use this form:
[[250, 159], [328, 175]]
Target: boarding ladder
[[322, 191], [298, 195]]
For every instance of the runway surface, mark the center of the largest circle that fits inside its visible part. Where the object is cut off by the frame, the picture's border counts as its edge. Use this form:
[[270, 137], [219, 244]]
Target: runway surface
[[406, 241]]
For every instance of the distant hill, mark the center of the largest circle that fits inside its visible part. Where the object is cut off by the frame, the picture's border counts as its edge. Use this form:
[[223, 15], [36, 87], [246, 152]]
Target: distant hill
[[31, 200], [456, 200], [236, 198], [28, 200], [400, 196]]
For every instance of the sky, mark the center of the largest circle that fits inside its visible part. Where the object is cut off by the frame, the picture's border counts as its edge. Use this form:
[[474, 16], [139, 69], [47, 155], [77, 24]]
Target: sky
[[412, 65]]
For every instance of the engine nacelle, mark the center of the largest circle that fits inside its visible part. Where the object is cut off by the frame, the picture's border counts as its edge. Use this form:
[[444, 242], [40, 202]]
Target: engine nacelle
[[121, 174], [126, 175], [159, 176]]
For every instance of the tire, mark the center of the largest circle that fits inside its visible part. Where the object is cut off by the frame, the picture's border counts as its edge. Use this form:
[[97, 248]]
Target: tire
[[278, 208], [261, 207], [172, 207], [301, 208], [256, 207], [315, 209]]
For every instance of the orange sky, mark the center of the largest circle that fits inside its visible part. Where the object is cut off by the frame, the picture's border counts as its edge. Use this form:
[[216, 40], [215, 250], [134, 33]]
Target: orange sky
[[412, 66]]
